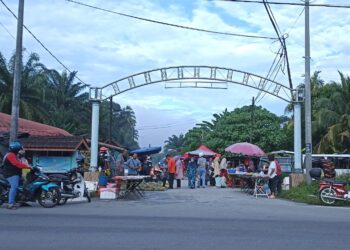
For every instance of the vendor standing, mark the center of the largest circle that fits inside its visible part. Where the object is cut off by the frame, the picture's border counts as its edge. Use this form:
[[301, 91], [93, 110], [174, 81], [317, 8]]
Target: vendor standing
[[120, 162], [273, 178], [133, 165]]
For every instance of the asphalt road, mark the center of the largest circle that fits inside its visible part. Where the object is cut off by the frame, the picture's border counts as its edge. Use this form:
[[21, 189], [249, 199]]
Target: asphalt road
[[208, 218]]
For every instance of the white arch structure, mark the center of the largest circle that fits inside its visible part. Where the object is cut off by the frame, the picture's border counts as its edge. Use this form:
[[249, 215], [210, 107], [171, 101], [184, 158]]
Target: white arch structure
[[196, 77]]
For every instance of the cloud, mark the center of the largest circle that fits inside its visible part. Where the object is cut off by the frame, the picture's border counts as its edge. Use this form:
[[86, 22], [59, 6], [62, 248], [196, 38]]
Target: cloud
[[104, 47]]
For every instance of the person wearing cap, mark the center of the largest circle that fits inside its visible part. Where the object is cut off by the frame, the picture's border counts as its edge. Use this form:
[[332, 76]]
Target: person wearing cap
[[202, 163], [12, 171]]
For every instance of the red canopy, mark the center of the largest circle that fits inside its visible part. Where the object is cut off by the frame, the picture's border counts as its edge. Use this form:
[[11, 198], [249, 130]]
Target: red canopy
[[202, 148]]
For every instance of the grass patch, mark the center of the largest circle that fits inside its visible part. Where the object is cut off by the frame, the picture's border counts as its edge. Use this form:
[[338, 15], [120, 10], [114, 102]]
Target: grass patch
[[303, 193], [309, 193]]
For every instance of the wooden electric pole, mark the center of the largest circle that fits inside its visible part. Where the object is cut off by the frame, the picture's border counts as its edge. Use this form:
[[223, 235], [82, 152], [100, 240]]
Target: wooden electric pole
[[17, 74]]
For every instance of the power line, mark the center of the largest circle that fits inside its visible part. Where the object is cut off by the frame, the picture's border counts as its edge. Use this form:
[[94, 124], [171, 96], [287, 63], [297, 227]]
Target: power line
[[295, 22], [42, 45], [8, 32], [153, 127], [286, 3], [171, 24]]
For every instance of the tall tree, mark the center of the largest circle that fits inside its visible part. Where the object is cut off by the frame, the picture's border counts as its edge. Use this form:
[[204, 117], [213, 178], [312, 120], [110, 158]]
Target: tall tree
[[232, 127], [32, 81], [174, 143], [67, 102], [333, 115]]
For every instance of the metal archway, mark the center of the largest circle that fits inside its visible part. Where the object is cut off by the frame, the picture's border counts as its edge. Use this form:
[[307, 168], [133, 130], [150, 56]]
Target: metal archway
[[183, 74], [195, 77]]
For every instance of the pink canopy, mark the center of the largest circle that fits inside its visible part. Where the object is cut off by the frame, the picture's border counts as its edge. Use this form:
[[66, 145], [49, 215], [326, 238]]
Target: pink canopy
[[245, 148]]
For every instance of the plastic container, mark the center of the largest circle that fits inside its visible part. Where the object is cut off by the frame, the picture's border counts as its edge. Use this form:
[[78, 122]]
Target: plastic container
[[102, 180]]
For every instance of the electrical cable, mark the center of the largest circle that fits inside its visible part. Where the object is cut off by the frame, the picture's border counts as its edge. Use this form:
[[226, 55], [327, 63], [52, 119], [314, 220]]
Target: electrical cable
[[278, 54], [42, 45], [170, 24], [275, 67], [161, 126], [286, 3], [8, 32], [295, 22], [273, 17]]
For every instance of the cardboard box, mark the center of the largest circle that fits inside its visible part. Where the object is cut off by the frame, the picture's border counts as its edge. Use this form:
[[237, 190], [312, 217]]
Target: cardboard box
[[91, 176]]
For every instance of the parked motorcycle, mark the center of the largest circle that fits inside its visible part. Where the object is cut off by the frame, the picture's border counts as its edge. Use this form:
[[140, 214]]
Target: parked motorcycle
[[72, 185], [330, 190], [39, 187]]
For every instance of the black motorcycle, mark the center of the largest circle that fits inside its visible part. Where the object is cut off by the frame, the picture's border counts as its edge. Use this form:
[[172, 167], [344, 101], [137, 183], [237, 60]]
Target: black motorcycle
[[72, 185], [38, 187]]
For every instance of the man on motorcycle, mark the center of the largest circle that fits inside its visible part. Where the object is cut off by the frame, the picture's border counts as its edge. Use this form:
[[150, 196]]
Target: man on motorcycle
[[12, 171]]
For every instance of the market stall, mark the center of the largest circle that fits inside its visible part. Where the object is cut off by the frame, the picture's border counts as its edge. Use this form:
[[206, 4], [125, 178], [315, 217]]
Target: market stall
[[255, 184]]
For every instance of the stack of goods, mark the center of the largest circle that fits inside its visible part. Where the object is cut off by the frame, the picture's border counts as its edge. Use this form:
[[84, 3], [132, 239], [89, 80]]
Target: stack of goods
[[328, 169], [152, 186]]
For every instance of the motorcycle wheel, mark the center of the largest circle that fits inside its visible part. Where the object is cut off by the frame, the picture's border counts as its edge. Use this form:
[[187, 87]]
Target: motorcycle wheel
[[87, 195], [50, 198], [327, 191], [2, 190], [62, 201]]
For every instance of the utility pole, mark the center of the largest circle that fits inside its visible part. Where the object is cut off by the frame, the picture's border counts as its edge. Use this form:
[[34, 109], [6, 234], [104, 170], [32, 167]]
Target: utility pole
[[308, 131], [252, 121], [17, 74], [110, 119]]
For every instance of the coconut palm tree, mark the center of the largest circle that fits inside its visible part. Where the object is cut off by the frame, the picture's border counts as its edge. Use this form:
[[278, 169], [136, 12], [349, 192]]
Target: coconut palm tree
[[333, 115], [32, 83], [174, 143], [68, 103]]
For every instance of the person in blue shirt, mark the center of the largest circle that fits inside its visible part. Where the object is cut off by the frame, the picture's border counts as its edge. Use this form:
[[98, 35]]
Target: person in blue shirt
[[133, 165]]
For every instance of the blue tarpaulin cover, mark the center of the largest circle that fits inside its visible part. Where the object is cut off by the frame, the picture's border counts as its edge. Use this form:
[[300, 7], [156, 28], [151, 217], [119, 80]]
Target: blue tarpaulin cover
[[146, 151]]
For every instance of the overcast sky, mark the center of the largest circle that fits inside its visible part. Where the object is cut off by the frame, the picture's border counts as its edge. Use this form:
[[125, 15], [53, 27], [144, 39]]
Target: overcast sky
[[104, 47]]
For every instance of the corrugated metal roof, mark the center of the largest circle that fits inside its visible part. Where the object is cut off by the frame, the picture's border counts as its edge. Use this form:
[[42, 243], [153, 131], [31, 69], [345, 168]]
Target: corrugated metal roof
[[50, 143], [30, 127]]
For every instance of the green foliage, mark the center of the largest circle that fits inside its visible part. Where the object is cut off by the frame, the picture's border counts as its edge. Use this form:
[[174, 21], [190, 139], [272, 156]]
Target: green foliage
[[174, 144], [56, 99], [332, 117], [309, 194], [32, 81], [267, 130]]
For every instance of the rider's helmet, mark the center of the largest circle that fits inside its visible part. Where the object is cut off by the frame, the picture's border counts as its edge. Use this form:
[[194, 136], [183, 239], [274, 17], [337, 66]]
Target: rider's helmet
[[15, 147]]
